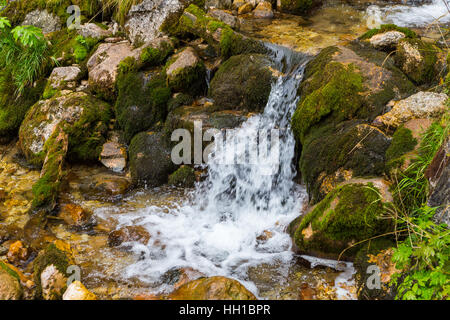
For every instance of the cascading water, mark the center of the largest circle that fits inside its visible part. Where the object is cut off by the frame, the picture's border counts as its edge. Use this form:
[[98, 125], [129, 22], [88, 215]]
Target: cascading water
[[412, 16], [216, 231]]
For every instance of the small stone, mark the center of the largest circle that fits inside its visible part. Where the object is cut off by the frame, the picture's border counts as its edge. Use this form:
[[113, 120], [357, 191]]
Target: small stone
[[17, 253], [74, 215], [77, 291], [263, 10], [264, 236], [128, 234], [224, 16]]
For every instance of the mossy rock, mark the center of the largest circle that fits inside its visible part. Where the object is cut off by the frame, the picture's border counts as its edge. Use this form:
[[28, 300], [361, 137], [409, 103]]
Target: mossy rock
[[418, 60], [178, 100], [388, 27], [51, 255], [342, 83], [333, 154], [150, 159], [14, 108], [183, 177], [186, 72], [349, 214], [10, 288], [156, 53], [141, 101], [243, 82], [300, 7], [85, 119], [402, 143]]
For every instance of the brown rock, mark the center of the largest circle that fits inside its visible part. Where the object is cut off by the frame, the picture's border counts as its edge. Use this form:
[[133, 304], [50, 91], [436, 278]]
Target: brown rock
[[245, 8], [127, 234], [17, 253], [74, 214]]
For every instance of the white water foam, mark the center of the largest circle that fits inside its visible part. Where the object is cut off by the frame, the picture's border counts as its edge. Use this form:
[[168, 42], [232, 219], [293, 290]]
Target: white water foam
[[412, 16]]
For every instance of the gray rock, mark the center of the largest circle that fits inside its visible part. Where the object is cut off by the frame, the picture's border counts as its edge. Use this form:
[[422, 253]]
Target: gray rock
[[263, 10], [91, 30], [225, 17], [64, 77], [386, 40], [44, 20], [219, 4]]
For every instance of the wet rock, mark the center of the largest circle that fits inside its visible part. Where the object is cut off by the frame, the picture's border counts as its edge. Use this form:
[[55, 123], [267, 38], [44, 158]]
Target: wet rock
[[114, 154], [150, 159], [44, 20], [264, 236], [145, 19], [418, 106], [225, 17], [61, 78], [387, 40], [306, 292], [438, 175], [245, 8], [92, 30], [10, 288], [77, 291], [418, 60], [84, 118], [350, 213], [213, 288], [128, 234], [103, 64], [74, 215], [111, 186], [186, 72], [17, 253], [50, 272], [183, 177], [336, 154], [263, 10], [242, 82]]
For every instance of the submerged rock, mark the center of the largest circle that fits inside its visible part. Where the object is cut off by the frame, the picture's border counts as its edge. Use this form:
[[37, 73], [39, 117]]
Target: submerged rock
[[17, 253], [74, 215], [128, 234], [213, 288]]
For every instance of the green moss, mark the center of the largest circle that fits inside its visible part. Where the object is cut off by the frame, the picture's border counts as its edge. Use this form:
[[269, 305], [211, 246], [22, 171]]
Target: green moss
[[179, 100], [10, 271], [141, 101], [190, 79], [51, 255], [350, 213], [184, 177], [388, 27], [402, 143], [151, 56], [333, 93], [70, 48]]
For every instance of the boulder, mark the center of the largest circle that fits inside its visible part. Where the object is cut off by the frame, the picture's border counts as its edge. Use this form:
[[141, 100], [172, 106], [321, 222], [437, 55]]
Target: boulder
[[103, 65], [186, 72], [219, 4], [243, 82], [335, 154], [84, 119], [350, 213], [213, 288], [421, 105], [344, 83], [141, 101], [77, 291], [128, 234], [225, 17], [44, 20], [10, 288], [386, 40], [92, 30], [150, 159], [155, 53], [144, 20], [418, 60], [61, 78], [263, 10]]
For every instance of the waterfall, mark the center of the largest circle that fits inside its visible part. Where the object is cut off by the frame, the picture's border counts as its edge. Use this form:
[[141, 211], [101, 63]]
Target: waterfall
[[412, 16], [216, 231]]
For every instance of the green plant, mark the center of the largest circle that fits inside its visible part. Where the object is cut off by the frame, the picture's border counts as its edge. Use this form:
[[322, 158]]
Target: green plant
[[23, 53]]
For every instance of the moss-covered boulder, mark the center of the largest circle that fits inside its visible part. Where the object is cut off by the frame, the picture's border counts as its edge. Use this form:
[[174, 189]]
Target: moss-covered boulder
[[61, 78], [418, 60], [150, 159], [50, 272], [334, 154], [156, 52], [300, 7], [13, 108], [341, 83], [218, 34], [85, 121], [186, 72], [183, 177], [10, 288], [348, 215], [213, 288], [141, 101], [242, 82]]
